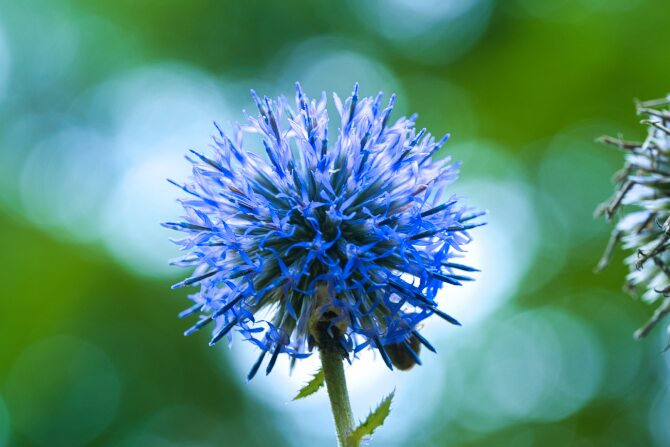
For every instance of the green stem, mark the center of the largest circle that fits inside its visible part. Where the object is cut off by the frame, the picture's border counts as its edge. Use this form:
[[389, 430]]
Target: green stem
[[336, 384]]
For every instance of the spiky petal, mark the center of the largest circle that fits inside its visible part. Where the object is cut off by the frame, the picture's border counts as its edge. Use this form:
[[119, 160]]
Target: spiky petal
[[643, 186]]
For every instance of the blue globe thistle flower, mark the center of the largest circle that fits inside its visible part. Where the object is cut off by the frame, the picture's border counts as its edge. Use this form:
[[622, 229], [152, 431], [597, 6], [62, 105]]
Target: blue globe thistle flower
[[327, 243], [643, 195]]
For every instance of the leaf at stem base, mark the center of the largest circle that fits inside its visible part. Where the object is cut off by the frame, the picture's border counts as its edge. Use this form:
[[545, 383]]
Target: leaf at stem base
[[312, 386], [374, 420]]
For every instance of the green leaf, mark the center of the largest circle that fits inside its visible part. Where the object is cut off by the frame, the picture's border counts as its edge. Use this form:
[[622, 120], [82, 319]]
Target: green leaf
[[312, 387], [374, 420]]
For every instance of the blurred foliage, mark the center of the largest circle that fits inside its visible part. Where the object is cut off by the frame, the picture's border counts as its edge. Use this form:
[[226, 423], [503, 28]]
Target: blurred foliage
[[54, 289]]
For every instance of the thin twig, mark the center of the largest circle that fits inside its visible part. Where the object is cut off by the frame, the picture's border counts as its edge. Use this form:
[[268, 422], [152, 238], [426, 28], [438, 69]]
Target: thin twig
[[659, 313]]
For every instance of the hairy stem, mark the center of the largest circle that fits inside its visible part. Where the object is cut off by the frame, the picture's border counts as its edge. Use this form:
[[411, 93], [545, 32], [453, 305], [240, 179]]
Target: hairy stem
[[336, 384]]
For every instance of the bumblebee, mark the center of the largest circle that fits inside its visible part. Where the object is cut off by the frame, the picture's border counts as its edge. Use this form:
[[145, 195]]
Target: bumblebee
[[405, 355]]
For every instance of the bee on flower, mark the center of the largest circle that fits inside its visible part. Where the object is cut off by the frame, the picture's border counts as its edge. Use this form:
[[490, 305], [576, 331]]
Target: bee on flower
[[331, 243]]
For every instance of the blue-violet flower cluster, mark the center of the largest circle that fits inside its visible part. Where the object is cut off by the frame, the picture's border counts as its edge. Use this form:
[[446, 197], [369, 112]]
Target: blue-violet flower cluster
[[643, 196], [323, 243]]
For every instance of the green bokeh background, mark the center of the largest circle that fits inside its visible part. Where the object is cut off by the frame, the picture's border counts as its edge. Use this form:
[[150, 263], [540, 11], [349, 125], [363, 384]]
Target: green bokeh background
[[91, 351]]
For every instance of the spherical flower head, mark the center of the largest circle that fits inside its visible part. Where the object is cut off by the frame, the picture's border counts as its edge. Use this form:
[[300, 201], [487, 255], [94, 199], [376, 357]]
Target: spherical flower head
[[643, 196], [323, 243]]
